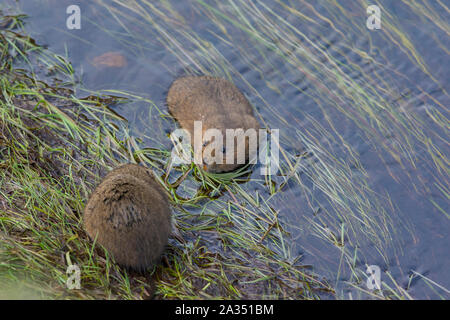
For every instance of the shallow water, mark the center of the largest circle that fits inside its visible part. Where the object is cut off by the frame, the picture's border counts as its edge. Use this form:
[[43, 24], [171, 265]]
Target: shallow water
[[412, 83]]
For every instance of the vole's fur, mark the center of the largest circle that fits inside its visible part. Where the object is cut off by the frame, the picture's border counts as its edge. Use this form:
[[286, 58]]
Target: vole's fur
[[128, 213], [218, 104]]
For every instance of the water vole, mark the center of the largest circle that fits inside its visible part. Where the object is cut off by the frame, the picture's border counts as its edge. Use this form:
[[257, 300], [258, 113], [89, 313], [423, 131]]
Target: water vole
[[218, 104], [128, 213]]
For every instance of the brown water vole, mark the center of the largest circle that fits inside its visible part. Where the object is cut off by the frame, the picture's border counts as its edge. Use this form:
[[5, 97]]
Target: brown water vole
[[128, 213], [219, 105]]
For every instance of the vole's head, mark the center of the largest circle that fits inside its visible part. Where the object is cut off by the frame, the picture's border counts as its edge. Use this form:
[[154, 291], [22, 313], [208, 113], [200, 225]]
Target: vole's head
[[214, 156], [222, 153]]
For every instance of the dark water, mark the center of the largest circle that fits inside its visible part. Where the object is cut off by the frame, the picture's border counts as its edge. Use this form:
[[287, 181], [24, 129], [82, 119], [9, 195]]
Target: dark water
[[418, 234]]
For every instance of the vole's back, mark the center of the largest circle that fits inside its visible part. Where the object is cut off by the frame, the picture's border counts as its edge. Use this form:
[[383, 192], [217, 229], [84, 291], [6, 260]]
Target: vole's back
[[128, 214]]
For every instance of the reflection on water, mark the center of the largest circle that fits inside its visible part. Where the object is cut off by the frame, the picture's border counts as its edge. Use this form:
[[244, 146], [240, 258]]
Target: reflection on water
[[364, 109]]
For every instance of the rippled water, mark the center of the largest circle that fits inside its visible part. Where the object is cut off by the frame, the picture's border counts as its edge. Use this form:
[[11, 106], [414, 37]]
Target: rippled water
[[291, 82]]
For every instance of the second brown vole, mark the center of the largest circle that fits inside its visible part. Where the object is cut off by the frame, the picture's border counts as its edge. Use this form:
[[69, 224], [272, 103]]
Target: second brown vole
[[128, 214], [218, 104]]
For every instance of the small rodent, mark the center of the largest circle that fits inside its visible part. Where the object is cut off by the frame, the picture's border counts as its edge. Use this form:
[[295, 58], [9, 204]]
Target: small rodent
[[128, 214], [220, 105]]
